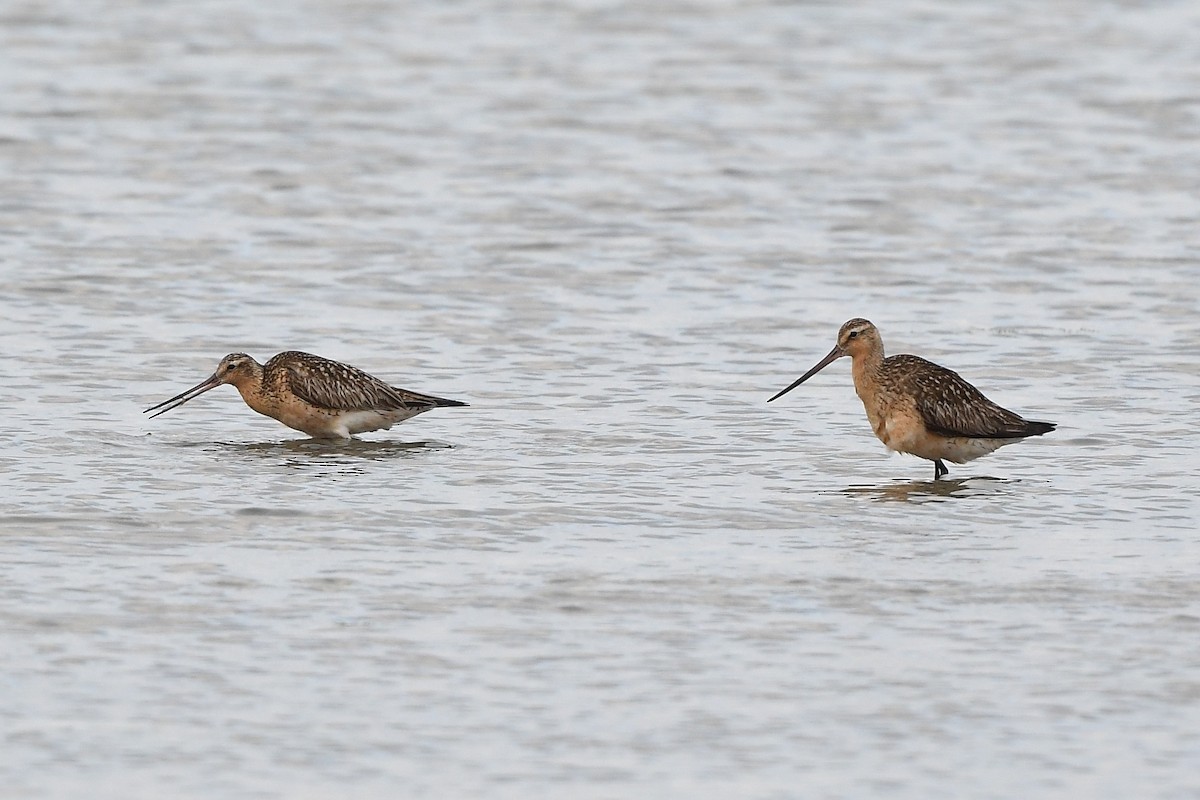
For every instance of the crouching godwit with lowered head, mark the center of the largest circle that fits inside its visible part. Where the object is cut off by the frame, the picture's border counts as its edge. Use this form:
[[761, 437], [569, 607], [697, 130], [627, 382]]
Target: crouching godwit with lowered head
[[325, 399], [917, 407]]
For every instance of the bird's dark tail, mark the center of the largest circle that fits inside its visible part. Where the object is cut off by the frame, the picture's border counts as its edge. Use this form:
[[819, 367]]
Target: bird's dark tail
[[1033, 428], [424, 402]]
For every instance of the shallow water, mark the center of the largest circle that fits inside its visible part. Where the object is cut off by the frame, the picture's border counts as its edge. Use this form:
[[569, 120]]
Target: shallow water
[[614, 230]]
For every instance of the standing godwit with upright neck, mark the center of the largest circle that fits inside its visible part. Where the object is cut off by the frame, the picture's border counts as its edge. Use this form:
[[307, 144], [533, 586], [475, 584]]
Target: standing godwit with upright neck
[[917, 407], [325, 399]]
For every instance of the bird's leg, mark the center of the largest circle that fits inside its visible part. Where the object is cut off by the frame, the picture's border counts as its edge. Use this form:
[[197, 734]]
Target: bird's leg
[[939, 469]]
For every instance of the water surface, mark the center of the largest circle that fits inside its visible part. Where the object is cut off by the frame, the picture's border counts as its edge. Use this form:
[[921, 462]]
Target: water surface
[[615, 230]]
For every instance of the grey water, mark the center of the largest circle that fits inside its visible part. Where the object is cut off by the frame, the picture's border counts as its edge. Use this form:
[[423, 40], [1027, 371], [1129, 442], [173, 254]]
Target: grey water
[[615, 229]]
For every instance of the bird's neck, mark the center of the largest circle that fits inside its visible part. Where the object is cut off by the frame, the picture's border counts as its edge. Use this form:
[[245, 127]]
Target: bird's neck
[[250, 387], [866, 370]]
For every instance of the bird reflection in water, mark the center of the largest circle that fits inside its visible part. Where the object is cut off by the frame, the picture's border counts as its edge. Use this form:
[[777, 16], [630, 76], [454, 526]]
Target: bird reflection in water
[[325, 457], [934, 491]]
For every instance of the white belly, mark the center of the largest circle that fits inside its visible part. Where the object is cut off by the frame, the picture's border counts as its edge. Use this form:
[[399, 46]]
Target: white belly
[[344, 424], [960, 449], [349, 423], [903, 433]]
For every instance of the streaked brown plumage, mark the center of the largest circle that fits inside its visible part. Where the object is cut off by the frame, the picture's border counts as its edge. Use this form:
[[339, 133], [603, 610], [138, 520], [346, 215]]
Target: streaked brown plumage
[[323, 398], [917, 407]]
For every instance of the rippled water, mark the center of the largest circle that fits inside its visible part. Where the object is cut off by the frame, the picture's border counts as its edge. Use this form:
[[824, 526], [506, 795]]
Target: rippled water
[[615, 230]]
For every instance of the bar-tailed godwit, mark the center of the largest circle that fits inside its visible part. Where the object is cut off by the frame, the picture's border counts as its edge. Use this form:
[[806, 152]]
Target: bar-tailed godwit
[[323, 398], [917, 407]]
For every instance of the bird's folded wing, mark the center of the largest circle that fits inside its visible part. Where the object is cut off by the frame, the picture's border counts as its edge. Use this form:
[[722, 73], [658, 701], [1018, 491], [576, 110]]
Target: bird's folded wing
[[332, 385]]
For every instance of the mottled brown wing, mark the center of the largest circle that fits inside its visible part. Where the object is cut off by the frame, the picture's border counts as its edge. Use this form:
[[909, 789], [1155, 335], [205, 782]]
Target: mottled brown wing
[[341, 387], [952, 407]]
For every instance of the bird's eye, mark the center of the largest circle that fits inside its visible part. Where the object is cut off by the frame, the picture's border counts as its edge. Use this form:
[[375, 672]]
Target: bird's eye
[[853, 335]]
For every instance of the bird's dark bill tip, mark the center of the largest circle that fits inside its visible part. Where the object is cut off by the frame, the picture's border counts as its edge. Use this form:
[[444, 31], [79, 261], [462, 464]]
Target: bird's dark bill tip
[[181, 398], [834, 355]]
